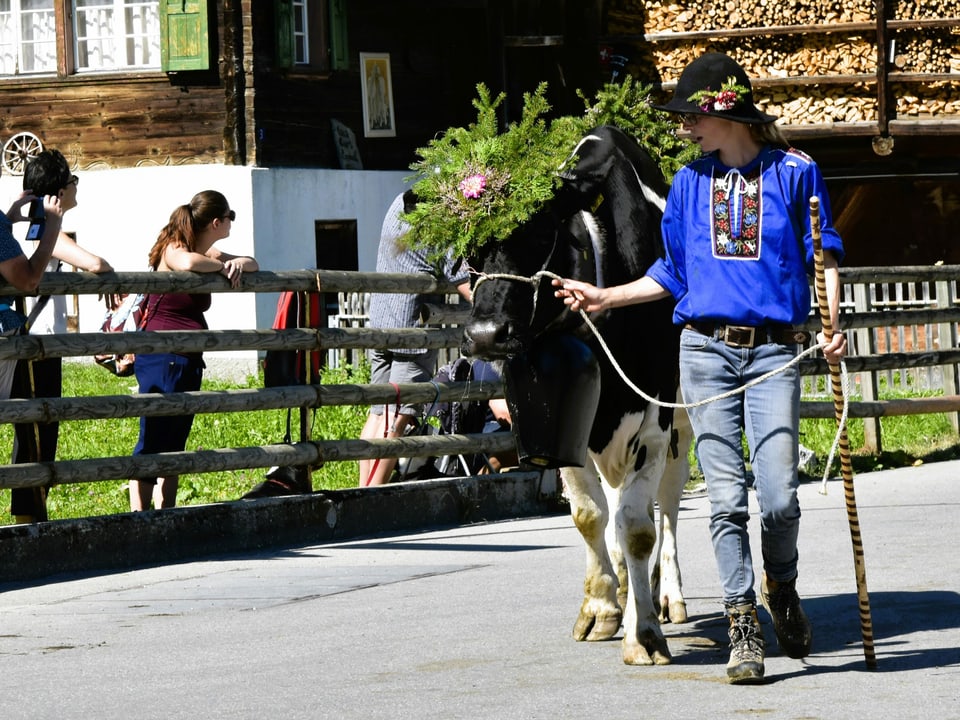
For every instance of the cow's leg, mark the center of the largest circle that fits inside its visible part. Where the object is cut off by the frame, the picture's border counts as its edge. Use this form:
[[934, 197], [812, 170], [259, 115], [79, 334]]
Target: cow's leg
[[613, 495], [600, 616], [636, 456], [666, 580]]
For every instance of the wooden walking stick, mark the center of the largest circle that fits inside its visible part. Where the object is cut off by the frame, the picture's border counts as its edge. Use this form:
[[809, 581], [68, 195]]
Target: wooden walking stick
[[846, 469]]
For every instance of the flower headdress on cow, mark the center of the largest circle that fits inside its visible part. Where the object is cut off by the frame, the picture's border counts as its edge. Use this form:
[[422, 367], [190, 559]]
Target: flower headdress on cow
[[477, 184]]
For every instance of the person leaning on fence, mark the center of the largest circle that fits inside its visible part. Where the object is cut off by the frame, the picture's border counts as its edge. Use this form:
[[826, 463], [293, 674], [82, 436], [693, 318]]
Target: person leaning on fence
[[738, 243], [48, 173], [399, 310], [185, 244]]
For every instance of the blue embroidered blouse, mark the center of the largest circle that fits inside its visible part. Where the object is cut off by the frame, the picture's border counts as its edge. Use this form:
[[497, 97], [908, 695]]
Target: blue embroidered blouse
[[738, 243]]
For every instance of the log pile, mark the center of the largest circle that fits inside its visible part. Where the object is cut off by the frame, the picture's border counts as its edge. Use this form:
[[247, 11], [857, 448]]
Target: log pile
[[804, 41]]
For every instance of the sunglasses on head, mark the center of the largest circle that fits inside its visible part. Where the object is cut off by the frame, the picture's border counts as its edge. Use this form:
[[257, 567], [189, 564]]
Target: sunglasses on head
[[74, 180], [232, 215]]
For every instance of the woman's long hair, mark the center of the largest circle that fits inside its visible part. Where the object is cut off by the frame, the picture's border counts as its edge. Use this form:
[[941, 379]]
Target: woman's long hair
[[186, 221], [769, 134]]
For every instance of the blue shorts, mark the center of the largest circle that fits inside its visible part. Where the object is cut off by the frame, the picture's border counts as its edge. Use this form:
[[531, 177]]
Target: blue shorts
[[166, 373]]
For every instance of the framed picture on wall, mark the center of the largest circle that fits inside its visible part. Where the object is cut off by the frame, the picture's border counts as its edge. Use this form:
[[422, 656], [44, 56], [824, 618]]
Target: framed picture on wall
[[377, 88]]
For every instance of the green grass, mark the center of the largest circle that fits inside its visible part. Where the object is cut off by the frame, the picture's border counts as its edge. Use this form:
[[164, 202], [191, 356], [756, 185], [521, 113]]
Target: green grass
[[117, 437], [909, 440]]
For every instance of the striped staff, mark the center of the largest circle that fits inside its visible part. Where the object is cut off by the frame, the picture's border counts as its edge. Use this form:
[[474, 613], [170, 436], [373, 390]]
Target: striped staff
[[846, 469]]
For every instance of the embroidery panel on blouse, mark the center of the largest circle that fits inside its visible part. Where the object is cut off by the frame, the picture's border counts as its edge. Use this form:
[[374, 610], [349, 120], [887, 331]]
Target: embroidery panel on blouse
[[735, 215]]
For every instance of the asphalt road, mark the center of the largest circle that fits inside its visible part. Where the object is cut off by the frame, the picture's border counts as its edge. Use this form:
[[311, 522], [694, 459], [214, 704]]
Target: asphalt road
[[475, 622]]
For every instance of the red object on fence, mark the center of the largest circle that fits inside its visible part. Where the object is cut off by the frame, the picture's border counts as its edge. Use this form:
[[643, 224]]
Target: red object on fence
[[292, 367]]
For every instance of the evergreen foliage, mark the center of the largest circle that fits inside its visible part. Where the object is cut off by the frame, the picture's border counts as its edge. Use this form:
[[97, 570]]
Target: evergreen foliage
[[478, 183]]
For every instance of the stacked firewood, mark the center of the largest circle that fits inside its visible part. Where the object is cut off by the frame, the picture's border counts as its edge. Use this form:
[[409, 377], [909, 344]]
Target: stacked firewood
[[803, 40], [688, 15], [790, 56]]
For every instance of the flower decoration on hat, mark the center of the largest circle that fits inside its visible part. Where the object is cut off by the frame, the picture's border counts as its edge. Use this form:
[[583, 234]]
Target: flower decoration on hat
[[726, 98]]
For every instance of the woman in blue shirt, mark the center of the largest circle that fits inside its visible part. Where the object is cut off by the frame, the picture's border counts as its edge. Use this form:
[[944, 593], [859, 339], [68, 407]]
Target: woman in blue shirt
[[739, 249]]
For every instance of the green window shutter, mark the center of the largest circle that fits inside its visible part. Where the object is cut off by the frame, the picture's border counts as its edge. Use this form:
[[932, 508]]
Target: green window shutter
[[184, 43], [284, 18], [339, 54]]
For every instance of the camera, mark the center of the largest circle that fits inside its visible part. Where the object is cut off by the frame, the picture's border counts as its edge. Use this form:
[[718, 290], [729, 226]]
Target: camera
[[36, 216]]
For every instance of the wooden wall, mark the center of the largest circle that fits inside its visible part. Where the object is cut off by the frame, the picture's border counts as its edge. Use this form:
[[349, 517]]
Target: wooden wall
[[438, 53], [130, 119], [118, 122]]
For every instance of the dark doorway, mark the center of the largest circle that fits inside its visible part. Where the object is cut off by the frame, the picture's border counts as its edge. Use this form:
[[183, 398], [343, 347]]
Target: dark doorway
[[336, 250]]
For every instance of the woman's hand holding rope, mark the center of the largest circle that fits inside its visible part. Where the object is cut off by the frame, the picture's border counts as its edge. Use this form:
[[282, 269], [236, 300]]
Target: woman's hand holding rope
[[579, 296]]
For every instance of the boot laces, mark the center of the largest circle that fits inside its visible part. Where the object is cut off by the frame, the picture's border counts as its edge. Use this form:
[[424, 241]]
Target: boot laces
[[745, 638]]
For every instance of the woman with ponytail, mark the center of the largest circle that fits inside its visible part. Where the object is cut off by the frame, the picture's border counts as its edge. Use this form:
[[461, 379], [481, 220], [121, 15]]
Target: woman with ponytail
[[187, 243]]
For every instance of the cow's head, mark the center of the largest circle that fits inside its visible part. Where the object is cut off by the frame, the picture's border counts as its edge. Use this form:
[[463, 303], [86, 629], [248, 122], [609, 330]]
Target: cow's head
[[602, 227], [513, 300]]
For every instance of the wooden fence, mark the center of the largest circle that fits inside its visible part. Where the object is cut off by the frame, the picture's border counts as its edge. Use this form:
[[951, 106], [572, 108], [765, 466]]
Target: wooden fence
[[892, 339]]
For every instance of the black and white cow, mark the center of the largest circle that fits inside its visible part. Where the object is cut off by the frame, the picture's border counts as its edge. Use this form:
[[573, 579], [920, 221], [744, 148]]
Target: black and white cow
[[603, 226]]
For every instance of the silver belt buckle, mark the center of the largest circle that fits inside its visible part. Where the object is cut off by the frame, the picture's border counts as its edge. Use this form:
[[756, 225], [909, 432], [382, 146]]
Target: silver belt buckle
[[751, 333]]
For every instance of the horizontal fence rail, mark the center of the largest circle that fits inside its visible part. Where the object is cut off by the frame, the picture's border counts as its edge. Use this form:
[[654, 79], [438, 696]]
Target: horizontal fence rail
[[313, 454], [884, 308], [37, 347], [85, 283], [207, 401]]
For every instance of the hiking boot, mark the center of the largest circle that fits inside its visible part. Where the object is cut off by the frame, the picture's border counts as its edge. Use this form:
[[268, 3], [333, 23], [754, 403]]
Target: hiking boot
[[790, 623], [746, 646]]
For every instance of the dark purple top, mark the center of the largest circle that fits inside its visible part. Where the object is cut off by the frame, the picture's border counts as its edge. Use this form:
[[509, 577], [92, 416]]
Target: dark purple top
[[177, 311]]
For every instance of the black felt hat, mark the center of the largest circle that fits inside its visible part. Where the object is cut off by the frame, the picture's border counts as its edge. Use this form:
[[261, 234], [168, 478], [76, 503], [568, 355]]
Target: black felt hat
[[714, 84]]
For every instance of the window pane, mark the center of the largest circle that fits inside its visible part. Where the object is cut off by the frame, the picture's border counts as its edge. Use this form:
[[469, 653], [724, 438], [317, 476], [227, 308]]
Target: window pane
[[301, 47], [38, 39], [95, 46], [117, 34], [28, 37], [8, 40], [142, 34]]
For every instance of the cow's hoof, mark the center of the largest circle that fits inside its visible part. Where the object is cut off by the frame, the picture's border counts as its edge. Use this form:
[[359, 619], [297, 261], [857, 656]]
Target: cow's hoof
[[596, 627], [674, 612], [653, 651]]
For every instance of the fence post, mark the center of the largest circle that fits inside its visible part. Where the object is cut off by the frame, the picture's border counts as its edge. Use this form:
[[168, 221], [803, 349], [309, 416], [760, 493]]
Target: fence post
[[865, 345], [947, 337]]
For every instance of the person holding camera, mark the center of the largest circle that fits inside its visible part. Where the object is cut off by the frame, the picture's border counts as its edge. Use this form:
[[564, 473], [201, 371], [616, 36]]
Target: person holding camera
[[46, 174], [21, 271], [185, 244]]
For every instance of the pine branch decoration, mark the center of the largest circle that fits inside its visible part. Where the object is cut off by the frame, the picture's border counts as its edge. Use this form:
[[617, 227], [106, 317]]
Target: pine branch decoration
[[477, 184]]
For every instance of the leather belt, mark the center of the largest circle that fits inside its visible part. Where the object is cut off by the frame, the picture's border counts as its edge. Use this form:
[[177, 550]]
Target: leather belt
[[744, 336]]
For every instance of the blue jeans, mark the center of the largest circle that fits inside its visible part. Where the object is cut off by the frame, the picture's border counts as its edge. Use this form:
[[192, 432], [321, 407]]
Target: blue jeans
[[769, 415]]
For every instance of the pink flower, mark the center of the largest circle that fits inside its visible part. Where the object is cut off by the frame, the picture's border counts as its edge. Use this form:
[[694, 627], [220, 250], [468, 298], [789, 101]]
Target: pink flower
[[473, 186], [726, 100]]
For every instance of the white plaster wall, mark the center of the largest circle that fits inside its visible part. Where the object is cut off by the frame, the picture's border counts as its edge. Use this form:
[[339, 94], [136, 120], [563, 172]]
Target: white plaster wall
[[120, 212], [287, 202]]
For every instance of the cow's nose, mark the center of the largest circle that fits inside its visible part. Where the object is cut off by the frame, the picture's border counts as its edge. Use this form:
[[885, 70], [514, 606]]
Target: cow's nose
[[487, 339]]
